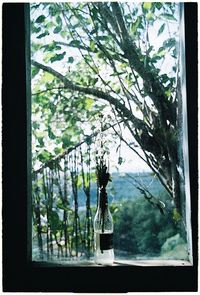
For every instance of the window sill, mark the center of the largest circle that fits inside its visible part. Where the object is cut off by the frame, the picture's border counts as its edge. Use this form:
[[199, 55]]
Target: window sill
[[140, 263]]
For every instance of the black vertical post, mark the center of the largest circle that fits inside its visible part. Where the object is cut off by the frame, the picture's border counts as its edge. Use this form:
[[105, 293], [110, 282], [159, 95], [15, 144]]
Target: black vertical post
[[16, 144]]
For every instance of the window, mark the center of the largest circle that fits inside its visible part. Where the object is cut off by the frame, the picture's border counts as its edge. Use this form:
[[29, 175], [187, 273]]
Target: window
[[16, 237], [128, 68]]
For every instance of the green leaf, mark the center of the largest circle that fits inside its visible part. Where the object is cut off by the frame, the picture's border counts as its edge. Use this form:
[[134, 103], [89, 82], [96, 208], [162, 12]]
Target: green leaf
[[118, 90], [168, 16], [50, 133], [35, 30], [40, 19], [158, 5], [46, 33], [100, 54], [164, 78], [44, 156], [59, 20], [49, 25], [168, 93], [63, 34], [34, 71], [48, 56], [174, 68], [88, 103], [58, 150], [92, 45], [176, 215], [161, 29], [52, 10], [75, 43], [134, 26], [66, 141], [47, 77], [57, 29], [57, 47], [150, 16], [35, 125], [48, 47], [57, 57], [169, 43], [147, 5], [70, 60], [174, 54], [41, 141], [95, 80], [161, 52]]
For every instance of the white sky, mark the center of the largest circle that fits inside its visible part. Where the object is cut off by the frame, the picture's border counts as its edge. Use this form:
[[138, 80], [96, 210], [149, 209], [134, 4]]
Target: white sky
[[132, 161]]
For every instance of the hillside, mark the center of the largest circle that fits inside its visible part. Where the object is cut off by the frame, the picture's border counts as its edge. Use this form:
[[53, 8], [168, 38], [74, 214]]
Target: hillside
[[122, 188]]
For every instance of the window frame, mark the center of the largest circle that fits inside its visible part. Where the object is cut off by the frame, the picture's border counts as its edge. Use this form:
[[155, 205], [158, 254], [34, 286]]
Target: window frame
[[19, 272]]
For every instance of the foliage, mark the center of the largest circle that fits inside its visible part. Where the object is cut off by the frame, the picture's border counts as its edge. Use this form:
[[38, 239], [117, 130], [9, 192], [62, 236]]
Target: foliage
[[101, 57], [91, 57], [142, 230]]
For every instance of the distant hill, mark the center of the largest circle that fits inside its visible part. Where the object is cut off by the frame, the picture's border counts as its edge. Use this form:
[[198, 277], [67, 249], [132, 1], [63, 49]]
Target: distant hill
[[121, 188]]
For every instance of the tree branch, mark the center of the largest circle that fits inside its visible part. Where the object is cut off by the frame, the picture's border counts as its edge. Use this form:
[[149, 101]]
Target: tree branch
[[69, 150], [153, 86], [91, 91], [48, 89], [86, 48]]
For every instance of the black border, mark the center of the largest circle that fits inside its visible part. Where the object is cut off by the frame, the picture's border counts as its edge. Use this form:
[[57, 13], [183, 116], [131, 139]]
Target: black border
[[19, 274]]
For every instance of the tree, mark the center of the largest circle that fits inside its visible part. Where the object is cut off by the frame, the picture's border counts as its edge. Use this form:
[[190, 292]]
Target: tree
[[139, 228], [109, 54]]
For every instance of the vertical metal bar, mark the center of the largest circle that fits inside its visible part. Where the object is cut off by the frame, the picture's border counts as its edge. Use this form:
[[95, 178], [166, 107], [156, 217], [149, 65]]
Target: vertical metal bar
[[185, 131]]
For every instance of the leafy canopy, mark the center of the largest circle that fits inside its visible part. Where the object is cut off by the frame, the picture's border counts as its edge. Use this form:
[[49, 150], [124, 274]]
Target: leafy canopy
[[117, 58]]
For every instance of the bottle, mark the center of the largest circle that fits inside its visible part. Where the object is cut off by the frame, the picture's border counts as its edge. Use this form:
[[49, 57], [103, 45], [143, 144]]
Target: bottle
[[103, 231]]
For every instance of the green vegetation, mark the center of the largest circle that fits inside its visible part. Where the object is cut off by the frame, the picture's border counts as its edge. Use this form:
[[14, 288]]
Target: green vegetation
[[142, 231], [88, 57], [101, 58]]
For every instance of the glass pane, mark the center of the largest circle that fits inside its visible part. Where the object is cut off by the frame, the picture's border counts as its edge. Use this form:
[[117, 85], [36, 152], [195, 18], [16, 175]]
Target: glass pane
[[111, 73]]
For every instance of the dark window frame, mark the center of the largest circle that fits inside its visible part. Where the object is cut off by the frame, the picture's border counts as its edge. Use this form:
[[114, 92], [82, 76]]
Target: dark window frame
[[19, 273]]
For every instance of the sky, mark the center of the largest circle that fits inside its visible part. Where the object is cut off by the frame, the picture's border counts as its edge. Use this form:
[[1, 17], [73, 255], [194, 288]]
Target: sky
[[132, 162]]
